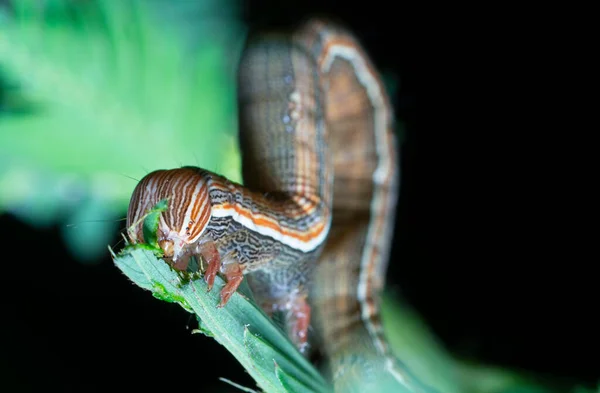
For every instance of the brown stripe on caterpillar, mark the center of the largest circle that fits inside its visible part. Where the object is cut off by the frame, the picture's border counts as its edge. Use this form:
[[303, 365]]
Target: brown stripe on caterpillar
[[314, 120]]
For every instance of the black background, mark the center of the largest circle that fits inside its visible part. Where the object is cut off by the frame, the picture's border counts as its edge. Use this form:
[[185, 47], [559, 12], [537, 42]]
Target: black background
[[487, 248]]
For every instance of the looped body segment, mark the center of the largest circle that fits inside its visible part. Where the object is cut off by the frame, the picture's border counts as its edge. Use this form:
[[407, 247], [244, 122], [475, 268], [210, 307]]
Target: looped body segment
[[311, 226]]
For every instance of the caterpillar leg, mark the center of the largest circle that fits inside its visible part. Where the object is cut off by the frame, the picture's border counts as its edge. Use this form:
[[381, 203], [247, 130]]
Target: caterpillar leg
[[209, 252], [233, 271], [289, 299], [235, 275], [298, 321], [296, 312]]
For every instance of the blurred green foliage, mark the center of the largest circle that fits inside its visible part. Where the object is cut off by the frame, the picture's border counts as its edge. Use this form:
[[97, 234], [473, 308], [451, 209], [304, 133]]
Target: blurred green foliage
[[425, 355], [96, 94]]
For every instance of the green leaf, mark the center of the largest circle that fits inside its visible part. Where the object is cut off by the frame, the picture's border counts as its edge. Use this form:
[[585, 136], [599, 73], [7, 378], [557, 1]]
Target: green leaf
[[270, 359], [150, 226], [241, 326], [288, 382], [202, 328]]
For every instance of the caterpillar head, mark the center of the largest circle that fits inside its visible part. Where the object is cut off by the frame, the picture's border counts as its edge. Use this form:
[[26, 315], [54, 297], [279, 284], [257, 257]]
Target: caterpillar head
[[182, 225]]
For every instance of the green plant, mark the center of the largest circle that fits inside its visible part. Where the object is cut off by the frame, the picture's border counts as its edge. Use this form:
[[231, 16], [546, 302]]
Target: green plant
[[93, 95]]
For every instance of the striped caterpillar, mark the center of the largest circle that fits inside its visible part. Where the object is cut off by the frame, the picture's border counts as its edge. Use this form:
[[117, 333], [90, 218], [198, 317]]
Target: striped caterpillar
[[311, 227]]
